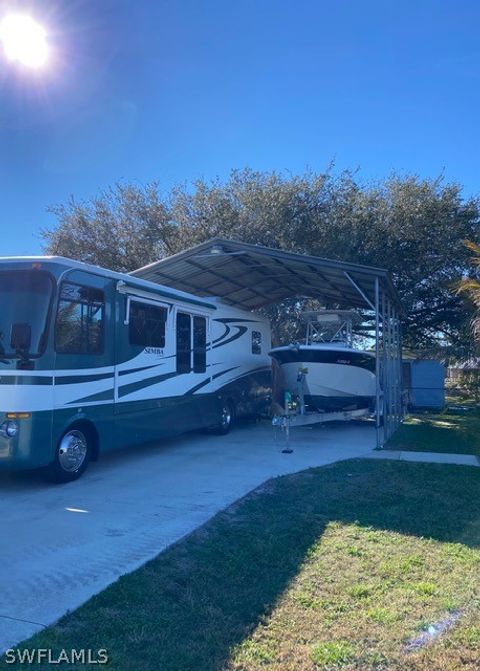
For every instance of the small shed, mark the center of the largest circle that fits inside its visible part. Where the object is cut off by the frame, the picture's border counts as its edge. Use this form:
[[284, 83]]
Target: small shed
[[426, 384]]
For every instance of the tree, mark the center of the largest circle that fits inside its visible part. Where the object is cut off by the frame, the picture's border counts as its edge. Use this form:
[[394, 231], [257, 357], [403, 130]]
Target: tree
[[413, 227], [120, 229]]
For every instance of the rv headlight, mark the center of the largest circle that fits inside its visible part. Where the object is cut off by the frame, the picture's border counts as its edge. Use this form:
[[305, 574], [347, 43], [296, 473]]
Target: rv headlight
[[9, 429]]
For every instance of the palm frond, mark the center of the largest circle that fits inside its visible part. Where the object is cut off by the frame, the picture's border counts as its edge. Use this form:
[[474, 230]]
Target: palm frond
[[473, 247], [471, 287], [468, 285]]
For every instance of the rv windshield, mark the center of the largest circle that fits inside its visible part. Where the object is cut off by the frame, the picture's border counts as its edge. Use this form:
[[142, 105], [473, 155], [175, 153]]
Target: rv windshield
[[24, 300]]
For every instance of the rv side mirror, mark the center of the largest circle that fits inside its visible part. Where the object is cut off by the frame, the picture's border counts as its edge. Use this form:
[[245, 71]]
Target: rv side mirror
[[21, 337]]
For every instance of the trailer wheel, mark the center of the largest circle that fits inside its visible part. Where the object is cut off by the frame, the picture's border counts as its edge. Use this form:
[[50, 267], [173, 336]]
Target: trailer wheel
[[72, 455], [227, 419]]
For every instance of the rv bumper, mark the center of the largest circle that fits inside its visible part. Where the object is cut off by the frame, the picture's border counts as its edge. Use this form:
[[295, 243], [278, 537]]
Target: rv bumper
[[25, 440]]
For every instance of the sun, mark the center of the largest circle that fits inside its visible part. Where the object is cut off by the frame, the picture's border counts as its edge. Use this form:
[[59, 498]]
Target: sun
[[24, 40]]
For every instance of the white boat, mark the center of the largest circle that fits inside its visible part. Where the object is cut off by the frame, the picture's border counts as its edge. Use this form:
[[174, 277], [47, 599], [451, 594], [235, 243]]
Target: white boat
[[327, 372]]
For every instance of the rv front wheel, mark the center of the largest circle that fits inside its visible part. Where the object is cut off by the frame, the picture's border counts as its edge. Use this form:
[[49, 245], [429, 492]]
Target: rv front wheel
[[71, 457]]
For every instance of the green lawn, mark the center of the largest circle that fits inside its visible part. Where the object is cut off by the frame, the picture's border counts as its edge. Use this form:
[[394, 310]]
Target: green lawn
[[335, 568], [439, 432]]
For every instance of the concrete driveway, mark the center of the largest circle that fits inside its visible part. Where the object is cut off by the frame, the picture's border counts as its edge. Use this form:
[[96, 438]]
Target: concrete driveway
[[62, 544]]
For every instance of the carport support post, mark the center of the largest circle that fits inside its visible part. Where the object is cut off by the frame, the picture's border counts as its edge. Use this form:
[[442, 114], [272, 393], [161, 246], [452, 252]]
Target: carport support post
[[384, 365], [388, 375], [395, 368], [399, 372], [377, 363]]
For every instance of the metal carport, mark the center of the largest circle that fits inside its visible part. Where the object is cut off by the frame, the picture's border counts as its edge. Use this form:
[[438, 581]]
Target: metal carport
[[252, 276]]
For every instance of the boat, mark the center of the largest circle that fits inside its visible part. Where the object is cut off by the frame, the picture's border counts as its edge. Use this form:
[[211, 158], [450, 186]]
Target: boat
[[327, 373]]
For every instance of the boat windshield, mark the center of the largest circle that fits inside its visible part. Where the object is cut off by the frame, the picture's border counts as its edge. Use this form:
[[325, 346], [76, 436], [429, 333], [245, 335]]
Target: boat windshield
[[333, 331], [24, 305]]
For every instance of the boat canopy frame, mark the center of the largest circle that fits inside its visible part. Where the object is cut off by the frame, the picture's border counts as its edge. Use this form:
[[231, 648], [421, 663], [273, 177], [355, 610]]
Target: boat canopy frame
[[252, 276], [341, 330]]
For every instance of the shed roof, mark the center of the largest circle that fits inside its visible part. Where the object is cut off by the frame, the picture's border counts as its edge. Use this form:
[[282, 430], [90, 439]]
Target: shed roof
[[252, 276]]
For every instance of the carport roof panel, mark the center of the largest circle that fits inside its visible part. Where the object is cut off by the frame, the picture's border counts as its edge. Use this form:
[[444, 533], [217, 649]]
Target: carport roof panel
[[252, 276]]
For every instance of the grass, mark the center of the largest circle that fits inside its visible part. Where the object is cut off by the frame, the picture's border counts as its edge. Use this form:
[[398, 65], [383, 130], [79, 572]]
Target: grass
[[439, 432], [332, 569]]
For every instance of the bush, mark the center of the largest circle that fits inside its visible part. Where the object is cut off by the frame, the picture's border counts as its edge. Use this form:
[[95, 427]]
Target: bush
[[469, 381]]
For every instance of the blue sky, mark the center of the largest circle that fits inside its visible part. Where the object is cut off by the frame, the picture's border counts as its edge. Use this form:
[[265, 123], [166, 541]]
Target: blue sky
[[171, 90]]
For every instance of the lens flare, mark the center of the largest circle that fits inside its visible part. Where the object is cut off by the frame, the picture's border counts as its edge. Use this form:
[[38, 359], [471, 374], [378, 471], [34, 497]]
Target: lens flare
[[24, 40]]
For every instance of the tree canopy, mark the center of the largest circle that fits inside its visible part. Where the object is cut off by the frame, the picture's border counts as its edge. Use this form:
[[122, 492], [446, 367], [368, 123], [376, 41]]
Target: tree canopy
[[413, 227]]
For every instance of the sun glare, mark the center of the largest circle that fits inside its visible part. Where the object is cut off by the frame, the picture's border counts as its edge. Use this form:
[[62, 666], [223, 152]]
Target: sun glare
[[24, 40]]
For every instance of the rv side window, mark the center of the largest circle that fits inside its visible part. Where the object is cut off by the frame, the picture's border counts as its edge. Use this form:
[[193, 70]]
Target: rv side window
[[146, 325], [184, 343], [199, 344], [79, 325], [256, 342]]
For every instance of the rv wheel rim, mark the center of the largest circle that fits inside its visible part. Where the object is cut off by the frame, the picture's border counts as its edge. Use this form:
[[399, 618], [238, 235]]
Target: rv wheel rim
[[72, 451], [226, 416]]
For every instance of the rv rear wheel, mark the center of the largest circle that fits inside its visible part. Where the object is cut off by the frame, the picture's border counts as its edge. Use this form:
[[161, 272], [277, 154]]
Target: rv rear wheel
[[71, 456], [227, 419]]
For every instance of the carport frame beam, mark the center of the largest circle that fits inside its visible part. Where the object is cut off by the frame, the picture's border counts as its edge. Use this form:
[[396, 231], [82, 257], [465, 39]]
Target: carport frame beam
[[378, 387]]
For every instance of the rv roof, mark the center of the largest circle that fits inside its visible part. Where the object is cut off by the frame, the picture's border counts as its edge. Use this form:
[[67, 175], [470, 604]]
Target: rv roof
[[167, 292]]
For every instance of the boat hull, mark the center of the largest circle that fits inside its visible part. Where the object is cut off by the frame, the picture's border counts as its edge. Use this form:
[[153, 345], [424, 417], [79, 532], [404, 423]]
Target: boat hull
[[332, 380]]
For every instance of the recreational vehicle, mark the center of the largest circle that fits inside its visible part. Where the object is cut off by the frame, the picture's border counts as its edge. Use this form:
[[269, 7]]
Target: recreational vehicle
[[91, 360]]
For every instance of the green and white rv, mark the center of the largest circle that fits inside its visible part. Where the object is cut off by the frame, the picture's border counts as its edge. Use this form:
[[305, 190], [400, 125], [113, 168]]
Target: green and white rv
[[92, 360]]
